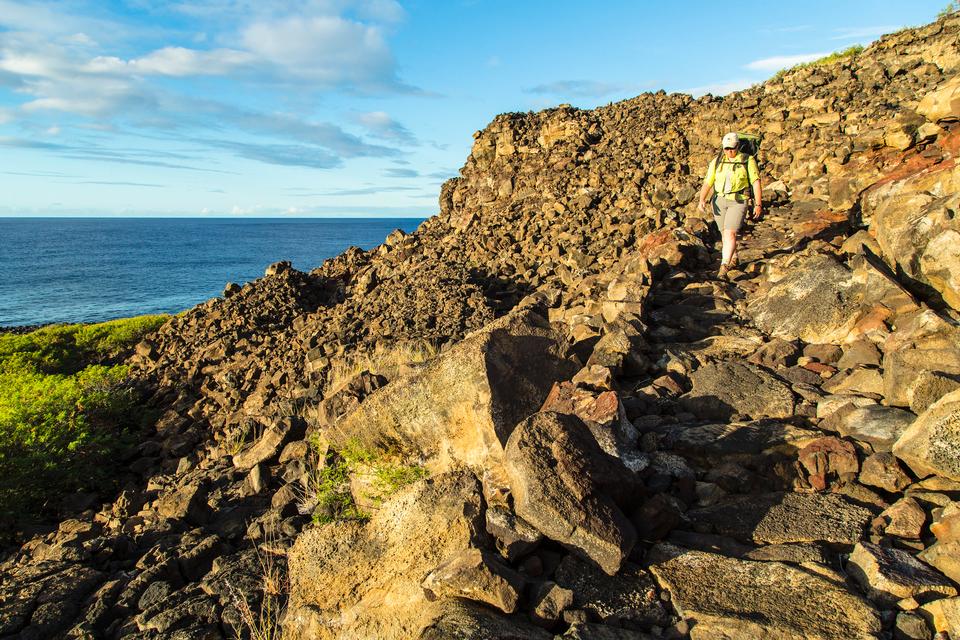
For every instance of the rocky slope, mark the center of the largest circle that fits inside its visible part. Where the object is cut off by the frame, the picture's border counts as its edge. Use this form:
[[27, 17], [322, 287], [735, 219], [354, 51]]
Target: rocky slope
[[609, 442]]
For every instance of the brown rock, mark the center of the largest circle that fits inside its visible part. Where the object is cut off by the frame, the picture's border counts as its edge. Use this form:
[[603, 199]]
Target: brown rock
[[888, 575], [785, 517], [947, 526], [945, 556], [883, 471], [731, 598], [904, 518], [932, 443], [828, 457], [726, 389], [549, 600]]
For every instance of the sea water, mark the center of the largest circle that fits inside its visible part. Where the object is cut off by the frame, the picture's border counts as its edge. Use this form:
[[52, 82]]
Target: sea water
[[96, 269]]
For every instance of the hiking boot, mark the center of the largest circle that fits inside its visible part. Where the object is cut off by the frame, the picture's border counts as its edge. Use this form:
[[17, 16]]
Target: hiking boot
[[722, 274]]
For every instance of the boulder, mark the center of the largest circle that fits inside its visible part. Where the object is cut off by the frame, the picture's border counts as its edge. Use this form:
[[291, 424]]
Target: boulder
[[732, 598], [464, 620], [930, 386], [904, 518], [726, 389], [828, 458], [548, 601], [943, 103], [932, 443], [353, 579], [903, 369], [889, 575], [567, 487], [186, 503], [464, 404], [882, 470], [820, 300], [945, 557], [943, 615], [476, 575], [772, 518]]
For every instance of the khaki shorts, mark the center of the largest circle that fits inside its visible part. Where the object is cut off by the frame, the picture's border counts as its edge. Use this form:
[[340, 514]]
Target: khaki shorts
[[728, 214]]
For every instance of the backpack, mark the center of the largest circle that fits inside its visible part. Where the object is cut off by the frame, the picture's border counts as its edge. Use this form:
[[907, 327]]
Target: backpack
[[749, 145]]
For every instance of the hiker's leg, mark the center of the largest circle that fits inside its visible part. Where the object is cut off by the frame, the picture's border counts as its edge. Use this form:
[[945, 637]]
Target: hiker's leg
[[719, 209], [729, 245], [732, 221]]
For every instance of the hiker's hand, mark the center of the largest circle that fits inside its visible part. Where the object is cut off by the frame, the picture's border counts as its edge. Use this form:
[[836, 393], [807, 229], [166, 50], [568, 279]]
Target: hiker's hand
[[757, 212], [701, 206]]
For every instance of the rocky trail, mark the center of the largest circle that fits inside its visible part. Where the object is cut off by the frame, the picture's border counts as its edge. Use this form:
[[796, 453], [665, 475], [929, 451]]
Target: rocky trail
[[542, 414]]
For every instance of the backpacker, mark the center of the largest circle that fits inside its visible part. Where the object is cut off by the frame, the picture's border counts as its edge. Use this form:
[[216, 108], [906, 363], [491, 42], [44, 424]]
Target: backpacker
[[749, 145]]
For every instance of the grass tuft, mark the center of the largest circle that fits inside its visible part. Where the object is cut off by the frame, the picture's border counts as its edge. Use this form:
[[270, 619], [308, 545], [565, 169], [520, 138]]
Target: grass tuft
[[836, 56], [383, 360]]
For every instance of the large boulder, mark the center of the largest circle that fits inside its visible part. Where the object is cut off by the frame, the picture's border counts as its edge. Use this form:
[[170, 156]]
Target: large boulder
[[820, 300], [889, 575], [731, 598], [726, 389], [463, 405], [568, 488], [363, 580], [904, 369], [943, 103], [932, 443], [917, 230]]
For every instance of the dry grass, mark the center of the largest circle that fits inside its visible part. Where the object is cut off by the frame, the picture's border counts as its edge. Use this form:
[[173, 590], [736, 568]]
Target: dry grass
[[385, 360], [264, 624]]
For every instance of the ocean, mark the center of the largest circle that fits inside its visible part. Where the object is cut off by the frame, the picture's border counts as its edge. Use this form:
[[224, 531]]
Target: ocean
[[96, 269]]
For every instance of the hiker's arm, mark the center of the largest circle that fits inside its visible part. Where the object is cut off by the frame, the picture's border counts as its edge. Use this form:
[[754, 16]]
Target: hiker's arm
[[707, 187], [757, 198], [705, 193]]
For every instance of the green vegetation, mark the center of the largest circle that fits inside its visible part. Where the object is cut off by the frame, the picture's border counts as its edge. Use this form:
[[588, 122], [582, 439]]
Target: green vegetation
[[836, 56], [65, 408], [331, 483], [950, 9]]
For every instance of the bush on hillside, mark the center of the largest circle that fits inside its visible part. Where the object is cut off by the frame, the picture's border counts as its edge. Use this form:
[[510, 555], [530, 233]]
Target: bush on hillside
[[65, 407]]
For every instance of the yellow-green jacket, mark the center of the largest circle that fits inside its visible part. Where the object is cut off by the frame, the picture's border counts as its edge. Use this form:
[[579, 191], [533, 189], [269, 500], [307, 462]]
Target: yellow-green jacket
[[734, 176]]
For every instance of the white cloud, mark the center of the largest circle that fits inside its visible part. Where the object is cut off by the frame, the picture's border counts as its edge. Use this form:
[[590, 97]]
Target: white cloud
[[174, 61], [775, 63], [327, 49], [380, 125]]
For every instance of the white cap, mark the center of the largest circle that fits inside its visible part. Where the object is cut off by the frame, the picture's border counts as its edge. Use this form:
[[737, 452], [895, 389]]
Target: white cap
[[731, 140]]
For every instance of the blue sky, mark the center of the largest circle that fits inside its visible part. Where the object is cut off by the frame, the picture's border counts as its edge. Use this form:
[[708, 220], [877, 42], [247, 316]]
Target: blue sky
[[347, 107]]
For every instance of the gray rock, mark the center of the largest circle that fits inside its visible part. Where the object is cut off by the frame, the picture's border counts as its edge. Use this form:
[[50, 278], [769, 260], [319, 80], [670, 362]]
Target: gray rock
[[736, 442], [562, 483], [276, 433], [877, 425], [726, 389], [772, 518]]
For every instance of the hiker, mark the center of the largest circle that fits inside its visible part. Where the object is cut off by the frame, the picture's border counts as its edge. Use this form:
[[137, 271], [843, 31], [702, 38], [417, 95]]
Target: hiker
[[730, 184]]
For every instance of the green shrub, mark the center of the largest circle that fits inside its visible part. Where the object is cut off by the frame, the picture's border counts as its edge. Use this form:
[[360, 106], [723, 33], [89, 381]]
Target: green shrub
[[950, 9], [65, 411], [331, 484]]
